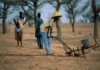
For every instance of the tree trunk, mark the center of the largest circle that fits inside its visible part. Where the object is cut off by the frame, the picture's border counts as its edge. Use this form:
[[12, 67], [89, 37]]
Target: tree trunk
[[35, 17], [35, 11], [95, 30], [71, 17], [4, 26], [59, 34], [95, 14], [73, 27], [72, 23], [4, 18]]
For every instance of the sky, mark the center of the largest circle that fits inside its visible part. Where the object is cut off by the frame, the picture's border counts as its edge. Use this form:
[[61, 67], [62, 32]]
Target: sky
[[47, 11]]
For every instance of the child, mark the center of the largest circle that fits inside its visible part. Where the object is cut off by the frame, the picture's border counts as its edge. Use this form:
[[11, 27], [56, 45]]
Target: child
[[19, 22], [18, 33]]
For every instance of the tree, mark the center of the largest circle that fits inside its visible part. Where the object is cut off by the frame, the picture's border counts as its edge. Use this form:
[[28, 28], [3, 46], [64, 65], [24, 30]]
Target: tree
[[95, 15], [4, 11], [59, 35], [57, 4], [91, 11], [71, 9], [33, 7], [86, 11]]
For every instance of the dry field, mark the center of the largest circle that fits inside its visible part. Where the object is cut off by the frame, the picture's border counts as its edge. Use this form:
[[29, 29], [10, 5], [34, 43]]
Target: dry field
[[29, 57]]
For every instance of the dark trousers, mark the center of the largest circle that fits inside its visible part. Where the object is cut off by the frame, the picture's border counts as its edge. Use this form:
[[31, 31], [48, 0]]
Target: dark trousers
[[39, 42]]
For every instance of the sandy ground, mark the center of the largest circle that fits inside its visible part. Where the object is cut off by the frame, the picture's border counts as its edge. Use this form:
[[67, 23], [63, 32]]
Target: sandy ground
[[29, 57]]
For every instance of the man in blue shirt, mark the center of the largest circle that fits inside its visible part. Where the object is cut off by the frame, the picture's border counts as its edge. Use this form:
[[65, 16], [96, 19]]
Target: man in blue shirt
[[39, 21]]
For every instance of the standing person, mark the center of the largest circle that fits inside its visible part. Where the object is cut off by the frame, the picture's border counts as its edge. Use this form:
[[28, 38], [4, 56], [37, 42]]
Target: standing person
[[38, 32], [46, 36], [19, 22]]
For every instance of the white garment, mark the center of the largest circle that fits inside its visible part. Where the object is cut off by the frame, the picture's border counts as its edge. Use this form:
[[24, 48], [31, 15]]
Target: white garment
[[21, 21]]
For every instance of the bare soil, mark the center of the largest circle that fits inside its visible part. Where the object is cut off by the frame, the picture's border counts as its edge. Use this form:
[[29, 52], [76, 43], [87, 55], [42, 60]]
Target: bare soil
[[29, 57]]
